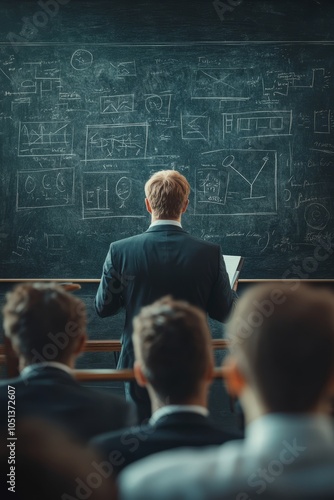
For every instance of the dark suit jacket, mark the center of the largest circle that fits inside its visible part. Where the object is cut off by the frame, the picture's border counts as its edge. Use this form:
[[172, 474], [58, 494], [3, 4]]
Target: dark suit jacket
[[52, 394], [179, 429], [165, 260]]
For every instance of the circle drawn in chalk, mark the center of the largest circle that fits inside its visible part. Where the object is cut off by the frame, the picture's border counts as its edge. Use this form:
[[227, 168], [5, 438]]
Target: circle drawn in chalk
[[316, 216], [153, 103], [123, 189], [81, 59]]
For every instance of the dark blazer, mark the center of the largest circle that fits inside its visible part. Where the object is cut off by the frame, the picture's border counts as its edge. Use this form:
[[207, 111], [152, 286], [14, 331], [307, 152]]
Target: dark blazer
[[179, 429], [51, 393], [165, 260]]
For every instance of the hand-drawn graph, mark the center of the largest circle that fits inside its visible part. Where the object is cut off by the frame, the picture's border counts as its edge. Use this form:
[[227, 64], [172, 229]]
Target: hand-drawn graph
[[237, 182], [110, 194], [280, 83], [224, 84], [45, 138], [117, 104], [45, 188], [257, 124], [195, 127], [125, 69], [116, 142]]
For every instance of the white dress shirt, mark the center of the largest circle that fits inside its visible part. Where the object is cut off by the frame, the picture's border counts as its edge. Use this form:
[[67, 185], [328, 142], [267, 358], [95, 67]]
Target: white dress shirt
[[163, 222], [45, 364], [281, 457]]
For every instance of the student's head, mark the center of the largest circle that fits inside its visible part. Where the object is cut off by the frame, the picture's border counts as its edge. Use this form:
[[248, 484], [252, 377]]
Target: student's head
[[44, 323], [173, 351], [282, 348], [167, 194]]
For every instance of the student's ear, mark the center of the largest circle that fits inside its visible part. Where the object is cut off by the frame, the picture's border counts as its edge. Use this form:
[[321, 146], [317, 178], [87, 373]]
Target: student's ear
[[148, 206], [234, 379], [185, 206], [80, 344], [139, 375]]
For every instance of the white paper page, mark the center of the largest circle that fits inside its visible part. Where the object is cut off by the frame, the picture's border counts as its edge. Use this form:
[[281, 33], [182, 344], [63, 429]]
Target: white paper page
[[232, 263]]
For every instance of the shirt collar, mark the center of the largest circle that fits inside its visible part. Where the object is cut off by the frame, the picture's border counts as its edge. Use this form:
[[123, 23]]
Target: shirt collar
[[169, 409], [165, 222], [274, 428], [46, 364]]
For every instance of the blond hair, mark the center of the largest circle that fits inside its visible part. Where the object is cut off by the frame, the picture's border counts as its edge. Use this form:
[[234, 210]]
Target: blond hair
[[167, 191]]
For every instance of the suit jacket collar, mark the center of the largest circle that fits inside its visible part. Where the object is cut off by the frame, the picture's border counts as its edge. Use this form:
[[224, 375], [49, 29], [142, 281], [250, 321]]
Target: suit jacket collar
[[182, 418], [45, 371], [165, 227]]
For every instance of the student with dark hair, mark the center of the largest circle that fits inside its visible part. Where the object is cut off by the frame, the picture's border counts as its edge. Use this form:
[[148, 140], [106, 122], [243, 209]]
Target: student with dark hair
[[282, 369], [47, 329], [174, 360], [164, 260]]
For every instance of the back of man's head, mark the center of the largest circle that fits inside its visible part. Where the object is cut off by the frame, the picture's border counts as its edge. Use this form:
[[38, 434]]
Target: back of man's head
[[172, 344], [283, 342], [167, 191], [43, 322]]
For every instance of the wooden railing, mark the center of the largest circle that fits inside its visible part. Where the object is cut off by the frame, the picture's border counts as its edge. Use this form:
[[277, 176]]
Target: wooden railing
[[117, 375]]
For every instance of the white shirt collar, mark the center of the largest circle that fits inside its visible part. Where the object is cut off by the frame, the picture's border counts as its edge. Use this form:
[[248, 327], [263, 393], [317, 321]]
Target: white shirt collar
[[46, 364], [166, 221], [169, 409]]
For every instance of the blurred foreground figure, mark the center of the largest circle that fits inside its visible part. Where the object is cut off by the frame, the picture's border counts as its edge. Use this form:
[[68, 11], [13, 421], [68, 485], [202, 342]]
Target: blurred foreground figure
[[49, 465], [282, 369]]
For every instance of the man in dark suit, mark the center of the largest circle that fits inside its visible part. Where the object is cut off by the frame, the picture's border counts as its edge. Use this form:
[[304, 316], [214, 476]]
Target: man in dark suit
[[47, 330], [163, 260], [174, 360]]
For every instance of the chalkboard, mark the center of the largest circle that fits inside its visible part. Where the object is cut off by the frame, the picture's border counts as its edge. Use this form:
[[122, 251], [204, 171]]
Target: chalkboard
[[85, 123]]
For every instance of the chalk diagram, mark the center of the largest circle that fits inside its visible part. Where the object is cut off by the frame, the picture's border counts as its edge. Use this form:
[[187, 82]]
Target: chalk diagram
[[322, 122], [123, 189], [125, 69], [45, 188], [45, 139], [158, 104], [81, 59], [257, 124], [237, 182], [117, 104], [317, 216], [109, 195], [227, 84], [116, 142], [194, 128]]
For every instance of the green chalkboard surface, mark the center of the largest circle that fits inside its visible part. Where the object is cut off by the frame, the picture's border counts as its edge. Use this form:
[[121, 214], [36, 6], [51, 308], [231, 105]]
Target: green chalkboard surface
[[86, 119]]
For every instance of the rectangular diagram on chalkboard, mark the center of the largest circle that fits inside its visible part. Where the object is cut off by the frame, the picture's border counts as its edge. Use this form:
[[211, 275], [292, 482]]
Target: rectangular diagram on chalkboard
[[116, 142], [110, 195], [237, 182], [45, 139]]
